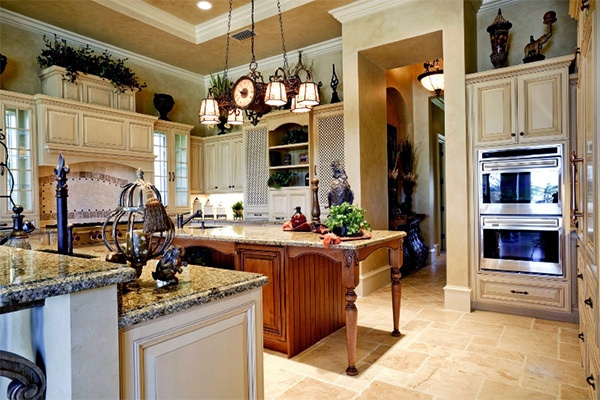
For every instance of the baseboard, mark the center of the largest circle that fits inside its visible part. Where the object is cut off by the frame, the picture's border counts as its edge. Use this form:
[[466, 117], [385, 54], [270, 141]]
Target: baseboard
[[371, 281], [457, 298], [572, 317]]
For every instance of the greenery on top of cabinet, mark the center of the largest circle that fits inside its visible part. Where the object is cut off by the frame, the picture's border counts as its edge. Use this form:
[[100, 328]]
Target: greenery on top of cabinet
[[295, 136]]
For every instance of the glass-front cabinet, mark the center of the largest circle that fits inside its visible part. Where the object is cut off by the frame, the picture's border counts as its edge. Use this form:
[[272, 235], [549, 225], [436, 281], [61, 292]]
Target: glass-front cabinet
[[18, 136], [171, 165]]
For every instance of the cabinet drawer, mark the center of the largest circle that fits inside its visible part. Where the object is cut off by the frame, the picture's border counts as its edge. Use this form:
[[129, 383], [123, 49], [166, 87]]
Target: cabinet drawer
[[589, 309], [592, 376], [548, 295]]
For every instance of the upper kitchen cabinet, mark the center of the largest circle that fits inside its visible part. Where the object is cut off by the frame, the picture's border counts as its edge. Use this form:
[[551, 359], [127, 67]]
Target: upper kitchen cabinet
[[224, 163], [172, 163], [196, 165], [521, 104], [85, 132], [18, 134]]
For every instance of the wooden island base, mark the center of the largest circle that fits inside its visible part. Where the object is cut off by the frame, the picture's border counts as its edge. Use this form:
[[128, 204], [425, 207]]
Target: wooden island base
[[311, 290]]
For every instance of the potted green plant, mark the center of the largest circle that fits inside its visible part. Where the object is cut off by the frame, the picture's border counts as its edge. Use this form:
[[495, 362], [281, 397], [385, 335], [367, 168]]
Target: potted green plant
[[294, 136], [220, 87], [84, 60], [238, 210], [347, 220], [279, 179]]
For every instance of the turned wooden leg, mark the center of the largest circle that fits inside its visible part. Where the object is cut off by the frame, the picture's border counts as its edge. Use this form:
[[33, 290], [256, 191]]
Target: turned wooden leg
[[396, 262], [351, 330], [350, 281]]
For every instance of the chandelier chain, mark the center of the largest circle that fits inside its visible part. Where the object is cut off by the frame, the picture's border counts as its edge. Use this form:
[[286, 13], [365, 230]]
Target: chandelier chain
[[285, 60], [253, 63], [227, 48]]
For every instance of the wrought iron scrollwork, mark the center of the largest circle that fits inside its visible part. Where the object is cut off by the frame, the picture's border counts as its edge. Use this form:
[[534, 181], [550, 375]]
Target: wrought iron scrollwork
[[28, 381]]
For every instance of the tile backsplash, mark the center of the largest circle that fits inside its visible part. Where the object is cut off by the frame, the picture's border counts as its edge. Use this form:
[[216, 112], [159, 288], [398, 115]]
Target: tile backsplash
[[94, 188]]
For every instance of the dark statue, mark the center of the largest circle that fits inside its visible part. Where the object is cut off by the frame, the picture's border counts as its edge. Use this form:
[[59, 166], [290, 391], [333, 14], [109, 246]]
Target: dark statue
[[533, 49], [340, 188], [169, 265]]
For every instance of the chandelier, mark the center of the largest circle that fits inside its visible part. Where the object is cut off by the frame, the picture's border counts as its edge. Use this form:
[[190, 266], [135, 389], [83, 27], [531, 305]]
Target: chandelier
[[433, 77], [251, 95]]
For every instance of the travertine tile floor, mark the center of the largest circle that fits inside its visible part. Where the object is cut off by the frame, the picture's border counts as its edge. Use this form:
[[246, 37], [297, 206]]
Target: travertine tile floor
[[441, 354]]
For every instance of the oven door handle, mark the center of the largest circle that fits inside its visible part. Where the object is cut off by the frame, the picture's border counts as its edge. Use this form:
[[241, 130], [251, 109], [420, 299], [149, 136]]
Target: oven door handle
[[574, 213], [529, 223], [520, 165]]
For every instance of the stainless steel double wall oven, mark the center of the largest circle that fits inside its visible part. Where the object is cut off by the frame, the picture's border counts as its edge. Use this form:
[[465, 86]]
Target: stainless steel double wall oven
[[520, 191]]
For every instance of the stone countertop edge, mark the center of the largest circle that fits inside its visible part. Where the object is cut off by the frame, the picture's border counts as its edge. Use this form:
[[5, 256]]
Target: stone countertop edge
[[282, 238], [39, 290], [162, 308]]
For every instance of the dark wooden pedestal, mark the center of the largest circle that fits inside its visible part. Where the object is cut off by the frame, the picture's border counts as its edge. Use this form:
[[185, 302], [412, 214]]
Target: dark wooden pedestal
[[416, 252]]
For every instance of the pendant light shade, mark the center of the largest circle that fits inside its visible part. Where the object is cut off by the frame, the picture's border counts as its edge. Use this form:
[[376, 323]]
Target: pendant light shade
[[433, 77], [299, 108], [209, 111], [235, 117], [275, 95], [308, 94]]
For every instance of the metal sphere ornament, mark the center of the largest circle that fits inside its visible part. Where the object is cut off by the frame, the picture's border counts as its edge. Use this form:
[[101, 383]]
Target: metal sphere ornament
[[139, 202]]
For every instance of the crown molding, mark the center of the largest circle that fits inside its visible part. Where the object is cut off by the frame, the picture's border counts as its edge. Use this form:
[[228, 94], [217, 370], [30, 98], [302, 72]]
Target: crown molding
[[495, 4], [362, 8], [32, 25], [270, 63], [240, 17], [151, 15]]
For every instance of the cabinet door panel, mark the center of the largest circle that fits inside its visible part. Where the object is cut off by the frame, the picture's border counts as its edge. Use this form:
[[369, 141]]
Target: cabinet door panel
[[279, 205], [62, 127], [197, 167], [270, 264], [224, 165], [103, 132], [211, 177], [541, 109], [494, 110], [299, 200], [140, 138], [99, 95]]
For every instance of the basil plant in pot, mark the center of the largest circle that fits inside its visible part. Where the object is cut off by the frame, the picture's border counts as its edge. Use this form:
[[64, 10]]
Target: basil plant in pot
[[347, 220]]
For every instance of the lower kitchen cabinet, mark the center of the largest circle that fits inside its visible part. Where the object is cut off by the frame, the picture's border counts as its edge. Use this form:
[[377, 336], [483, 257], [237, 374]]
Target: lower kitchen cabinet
[[283, 202], [210, 351], [268, 262]]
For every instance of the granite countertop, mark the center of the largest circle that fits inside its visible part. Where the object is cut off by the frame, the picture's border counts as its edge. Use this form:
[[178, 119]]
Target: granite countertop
[[197, 285], [27, 276], [276, 236]]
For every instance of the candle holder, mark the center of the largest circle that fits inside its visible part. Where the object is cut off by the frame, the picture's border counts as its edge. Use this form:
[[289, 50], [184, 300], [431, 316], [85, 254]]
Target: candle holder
[[138, 203]]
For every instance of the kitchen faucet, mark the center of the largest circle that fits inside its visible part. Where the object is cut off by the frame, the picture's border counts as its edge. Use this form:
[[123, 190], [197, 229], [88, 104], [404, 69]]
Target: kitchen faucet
[[181, 222]]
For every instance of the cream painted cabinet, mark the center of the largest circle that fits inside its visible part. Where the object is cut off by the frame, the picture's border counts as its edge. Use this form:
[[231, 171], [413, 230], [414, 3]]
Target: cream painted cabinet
[[586, 184], [18, 129], [522, 104], [171, 165], [283, 202], [196, 165], [86, 132], [211, 351], [223, 163]]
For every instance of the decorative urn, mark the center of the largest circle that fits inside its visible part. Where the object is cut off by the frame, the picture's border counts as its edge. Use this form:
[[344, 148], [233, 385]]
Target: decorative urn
[[498, 31], [164, 104]]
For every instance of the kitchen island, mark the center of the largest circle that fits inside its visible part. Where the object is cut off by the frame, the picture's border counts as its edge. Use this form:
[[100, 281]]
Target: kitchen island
[[311, 290], [95, 341]]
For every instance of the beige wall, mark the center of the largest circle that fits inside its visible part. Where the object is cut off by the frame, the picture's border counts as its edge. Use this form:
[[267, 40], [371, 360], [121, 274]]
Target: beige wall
[[527, 19], [395, 24], [21, 47]]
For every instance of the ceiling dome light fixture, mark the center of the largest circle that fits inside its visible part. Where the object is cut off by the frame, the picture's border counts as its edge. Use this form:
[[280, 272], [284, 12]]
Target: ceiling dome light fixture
[[204, 5], [433, 77]]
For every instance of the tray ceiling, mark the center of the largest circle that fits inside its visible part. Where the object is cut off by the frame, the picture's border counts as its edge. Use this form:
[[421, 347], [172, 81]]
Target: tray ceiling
[[178, 33]]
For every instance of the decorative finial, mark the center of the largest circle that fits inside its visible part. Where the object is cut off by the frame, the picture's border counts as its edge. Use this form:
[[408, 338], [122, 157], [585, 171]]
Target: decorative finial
[[61, 172], [139, 174]]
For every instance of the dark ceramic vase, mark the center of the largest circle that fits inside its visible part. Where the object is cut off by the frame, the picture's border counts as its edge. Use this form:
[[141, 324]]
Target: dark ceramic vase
[[3, 61], [406, 206], [340, 230], [164, 104], [221, 125]]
